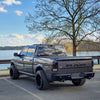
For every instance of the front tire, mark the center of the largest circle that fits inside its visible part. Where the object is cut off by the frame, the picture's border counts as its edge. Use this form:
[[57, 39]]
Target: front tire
[[14, 74], [41, 80], [78, 82]]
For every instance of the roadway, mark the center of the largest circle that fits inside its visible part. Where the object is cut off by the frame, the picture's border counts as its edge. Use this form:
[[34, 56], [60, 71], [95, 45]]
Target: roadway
[[24, 89]]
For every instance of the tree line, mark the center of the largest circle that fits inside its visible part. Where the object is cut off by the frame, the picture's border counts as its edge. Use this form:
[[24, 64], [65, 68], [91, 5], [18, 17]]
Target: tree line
[[84, 46]]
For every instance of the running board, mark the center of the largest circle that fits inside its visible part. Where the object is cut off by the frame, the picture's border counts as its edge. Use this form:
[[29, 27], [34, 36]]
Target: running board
[[29, 74]]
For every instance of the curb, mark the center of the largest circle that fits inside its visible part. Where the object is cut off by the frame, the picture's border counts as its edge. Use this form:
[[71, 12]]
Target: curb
[[96, 69], [4, 73]]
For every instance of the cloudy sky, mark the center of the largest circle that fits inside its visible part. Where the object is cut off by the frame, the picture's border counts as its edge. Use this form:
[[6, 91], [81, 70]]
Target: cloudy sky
[[17, 39], [13, 30]]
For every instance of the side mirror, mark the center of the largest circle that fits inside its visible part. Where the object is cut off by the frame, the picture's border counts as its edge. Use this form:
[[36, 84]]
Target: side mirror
[[21, 55], [15, 54]]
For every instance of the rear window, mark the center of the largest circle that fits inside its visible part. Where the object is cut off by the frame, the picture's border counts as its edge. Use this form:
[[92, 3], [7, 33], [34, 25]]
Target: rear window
[[52, 50]]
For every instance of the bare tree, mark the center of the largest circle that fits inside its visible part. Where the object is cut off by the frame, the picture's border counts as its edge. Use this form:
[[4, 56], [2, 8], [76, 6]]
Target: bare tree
[[75, 19], [97, 36]]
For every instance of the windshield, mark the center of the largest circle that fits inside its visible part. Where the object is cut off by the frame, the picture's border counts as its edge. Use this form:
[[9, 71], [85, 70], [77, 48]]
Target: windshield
[[51, 50]]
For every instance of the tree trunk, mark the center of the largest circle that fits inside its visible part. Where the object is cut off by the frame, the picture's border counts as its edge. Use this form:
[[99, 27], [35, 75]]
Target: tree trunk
[[74, 48], [74, 51]]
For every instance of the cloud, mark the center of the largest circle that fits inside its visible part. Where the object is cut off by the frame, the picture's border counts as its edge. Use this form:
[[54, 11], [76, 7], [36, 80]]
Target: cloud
[[19, 13], [17, 36], [20, 40], [10, 2], [2, 9]]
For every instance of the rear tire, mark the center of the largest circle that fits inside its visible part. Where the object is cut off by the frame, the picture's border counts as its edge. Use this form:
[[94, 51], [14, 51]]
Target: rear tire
[[41, 80], [14, 74], [78, 82]]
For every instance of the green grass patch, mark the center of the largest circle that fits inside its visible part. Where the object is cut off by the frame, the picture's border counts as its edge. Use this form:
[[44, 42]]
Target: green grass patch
[[96, 64], [4, 69]]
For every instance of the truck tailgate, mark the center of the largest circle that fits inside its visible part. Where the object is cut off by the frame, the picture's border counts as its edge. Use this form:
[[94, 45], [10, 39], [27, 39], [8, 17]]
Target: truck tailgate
[[75, 66]]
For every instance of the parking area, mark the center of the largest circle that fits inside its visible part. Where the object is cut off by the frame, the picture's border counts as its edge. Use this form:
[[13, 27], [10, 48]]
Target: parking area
[[25, 89]]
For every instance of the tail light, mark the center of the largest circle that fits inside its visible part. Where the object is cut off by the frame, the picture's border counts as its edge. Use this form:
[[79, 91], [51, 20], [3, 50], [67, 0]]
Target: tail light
[[55, 67]]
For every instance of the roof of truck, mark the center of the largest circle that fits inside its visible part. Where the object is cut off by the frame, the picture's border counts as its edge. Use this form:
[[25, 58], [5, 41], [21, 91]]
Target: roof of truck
[[44, 45]]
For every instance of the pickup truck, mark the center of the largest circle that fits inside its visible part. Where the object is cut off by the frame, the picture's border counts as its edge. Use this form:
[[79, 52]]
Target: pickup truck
[[48, 63]]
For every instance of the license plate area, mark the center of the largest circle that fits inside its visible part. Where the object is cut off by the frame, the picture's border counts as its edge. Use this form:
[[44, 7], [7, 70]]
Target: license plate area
[[75, 75]]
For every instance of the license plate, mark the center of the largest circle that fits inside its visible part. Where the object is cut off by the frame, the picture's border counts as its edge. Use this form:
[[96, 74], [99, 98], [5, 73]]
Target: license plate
[[75, 75]]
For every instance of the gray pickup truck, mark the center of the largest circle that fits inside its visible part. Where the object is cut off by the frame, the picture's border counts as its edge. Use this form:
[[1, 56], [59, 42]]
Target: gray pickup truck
[[48, 63]]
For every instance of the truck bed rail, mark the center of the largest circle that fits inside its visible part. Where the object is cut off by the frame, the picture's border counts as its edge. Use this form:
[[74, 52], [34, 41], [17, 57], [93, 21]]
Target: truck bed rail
[[7, 61]]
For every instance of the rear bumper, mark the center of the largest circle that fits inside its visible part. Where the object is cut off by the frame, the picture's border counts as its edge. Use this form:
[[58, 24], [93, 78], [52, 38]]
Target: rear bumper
[[89, 75], [62, 77]]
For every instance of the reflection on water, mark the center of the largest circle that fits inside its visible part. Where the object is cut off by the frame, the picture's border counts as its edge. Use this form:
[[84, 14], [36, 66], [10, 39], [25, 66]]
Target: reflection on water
[[4, 66], [8, 54], [91, 53]]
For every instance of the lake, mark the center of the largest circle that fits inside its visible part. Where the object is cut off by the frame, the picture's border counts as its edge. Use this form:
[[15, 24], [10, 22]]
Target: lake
[[8, 54]]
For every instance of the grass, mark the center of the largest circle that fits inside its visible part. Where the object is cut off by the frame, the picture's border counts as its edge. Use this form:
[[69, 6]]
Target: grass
[[4, 69], [96, 64]]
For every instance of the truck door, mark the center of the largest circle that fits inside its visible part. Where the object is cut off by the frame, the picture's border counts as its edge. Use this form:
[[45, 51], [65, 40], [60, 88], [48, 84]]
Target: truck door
[[20, 59], [29, 61]]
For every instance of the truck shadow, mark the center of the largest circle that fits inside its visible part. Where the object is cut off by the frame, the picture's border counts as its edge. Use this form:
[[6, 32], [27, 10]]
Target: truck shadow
[[52, 86]]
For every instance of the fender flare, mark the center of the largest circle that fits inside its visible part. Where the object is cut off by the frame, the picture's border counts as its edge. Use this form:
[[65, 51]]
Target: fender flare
[[39, 67]]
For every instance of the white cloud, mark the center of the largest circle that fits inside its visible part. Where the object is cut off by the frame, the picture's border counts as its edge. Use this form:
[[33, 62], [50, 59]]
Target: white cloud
[[2, 9], [10, 2], [19, 40], [19, 13], [17, 36]]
